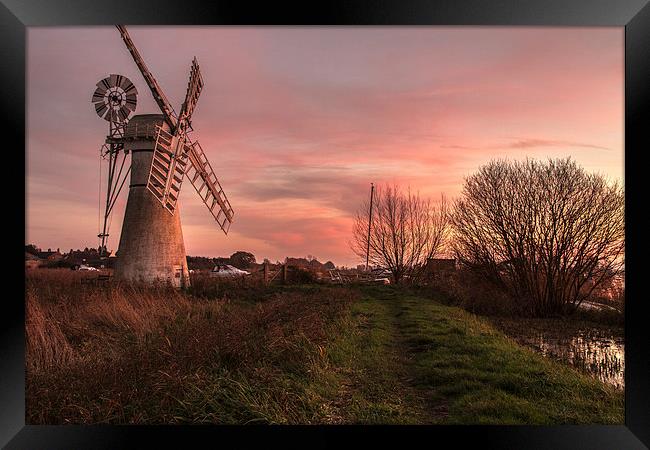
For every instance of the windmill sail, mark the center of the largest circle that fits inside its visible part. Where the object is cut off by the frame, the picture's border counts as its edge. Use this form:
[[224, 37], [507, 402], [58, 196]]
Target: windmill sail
[[208, 187], [171, 151], [167, 170], [158, 94], [174, 153], [194, 87]]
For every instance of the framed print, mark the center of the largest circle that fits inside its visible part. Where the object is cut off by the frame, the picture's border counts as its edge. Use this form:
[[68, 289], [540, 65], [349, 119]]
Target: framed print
[[349, 221]]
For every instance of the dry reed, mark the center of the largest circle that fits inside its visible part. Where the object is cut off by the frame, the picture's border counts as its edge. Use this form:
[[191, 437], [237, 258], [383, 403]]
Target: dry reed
[[126, 353]]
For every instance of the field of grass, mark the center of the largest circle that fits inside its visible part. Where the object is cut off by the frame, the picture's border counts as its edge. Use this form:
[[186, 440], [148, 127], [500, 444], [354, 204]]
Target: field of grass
[[284, 355]]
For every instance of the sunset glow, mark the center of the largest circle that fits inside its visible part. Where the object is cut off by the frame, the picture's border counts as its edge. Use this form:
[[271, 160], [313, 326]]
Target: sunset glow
[[298, 121]]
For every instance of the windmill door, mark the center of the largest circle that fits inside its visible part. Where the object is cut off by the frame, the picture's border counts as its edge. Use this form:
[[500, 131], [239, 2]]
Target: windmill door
[[178, 275]]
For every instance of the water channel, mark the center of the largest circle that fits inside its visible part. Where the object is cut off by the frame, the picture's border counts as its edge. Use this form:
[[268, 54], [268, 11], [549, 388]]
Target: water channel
[[598, 351]]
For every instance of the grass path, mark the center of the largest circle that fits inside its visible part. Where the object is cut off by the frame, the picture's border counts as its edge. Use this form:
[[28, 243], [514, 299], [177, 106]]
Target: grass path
[[406, 359], [377, 385]]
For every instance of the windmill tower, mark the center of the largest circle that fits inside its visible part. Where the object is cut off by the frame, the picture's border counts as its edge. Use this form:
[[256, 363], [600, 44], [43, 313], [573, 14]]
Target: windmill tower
[[151, 244]]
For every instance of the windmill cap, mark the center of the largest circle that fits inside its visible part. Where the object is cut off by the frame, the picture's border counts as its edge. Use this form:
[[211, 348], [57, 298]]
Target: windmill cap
[[147, 118], [144, 125]]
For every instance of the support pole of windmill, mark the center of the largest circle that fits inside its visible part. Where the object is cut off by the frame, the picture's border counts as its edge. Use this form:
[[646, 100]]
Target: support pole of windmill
[[372, 191], [112, 149], [102, 235]]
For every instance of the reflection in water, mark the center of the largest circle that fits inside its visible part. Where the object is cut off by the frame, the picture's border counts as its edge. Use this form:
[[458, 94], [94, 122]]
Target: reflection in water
[[598, 350], [593, 351]]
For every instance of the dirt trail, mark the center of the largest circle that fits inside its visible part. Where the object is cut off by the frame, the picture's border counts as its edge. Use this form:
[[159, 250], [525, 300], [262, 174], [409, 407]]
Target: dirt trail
[[382, 387], [430, 410]]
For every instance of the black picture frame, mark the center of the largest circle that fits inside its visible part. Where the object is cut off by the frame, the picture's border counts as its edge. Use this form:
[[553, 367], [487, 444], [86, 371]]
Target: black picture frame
[[16, 15]]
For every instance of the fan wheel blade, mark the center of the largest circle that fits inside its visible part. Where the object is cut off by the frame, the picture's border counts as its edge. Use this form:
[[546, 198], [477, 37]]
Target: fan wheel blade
[[130, 89], [106, 83], [100, 108], [100, 89], [124, 82]]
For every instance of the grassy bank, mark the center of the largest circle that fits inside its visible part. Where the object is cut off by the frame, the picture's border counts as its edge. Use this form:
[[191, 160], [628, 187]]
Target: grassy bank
[[460, 370], [302, 354]]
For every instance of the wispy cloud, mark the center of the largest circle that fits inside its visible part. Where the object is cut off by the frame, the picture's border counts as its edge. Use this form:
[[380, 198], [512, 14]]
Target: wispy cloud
[[533, 143]]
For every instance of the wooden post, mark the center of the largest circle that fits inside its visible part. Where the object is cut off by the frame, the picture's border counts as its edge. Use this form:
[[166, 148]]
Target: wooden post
[[284, 273], [266, 272]]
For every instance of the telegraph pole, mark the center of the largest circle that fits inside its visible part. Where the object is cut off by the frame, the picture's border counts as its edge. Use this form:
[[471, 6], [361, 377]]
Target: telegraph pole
[[372, 191]]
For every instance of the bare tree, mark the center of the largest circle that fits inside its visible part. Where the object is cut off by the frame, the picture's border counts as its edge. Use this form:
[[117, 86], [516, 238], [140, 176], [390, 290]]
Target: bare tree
[[406, 231], [548, 233]]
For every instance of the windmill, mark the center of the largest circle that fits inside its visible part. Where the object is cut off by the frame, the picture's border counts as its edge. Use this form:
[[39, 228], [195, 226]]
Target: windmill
[[162, 154]]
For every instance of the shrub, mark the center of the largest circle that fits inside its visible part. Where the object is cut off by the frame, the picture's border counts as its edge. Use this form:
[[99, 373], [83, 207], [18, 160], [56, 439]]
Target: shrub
[[467, 289], [302, 276], [546, 233]]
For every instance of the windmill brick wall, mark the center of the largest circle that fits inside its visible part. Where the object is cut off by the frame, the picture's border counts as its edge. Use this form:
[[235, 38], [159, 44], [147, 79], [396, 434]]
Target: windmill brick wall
[[151, 243]]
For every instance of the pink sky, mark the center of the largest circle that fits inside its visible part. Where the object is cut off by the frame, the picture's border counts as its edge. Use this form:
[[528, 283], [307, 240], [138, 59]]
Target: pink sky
[[297, 121]]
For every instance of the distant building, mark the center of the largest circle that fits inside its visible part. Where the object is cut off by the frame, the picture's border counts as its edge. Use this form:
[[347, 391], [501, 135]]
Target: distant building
[[303, 263], [440, 266], [50, 255], [89, 256]]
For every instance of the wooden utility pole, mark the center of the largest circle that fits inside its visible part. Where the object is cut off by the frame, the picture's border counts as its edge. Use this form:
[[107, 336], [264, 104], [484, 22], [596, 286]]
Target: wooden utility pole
[[372, 191]]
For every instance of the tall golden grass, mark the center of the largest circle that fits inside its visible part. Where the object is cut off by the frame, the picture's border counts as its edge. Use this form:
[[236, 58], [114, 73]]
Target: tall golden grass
[[124, 353], [62, 313], [46, 344]]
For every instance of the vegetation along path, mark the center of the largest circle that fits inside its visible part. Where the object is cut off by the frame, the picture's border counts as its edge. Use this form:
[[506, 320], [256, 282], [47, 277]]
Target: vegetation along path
[[285, 355], [406, 359]]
